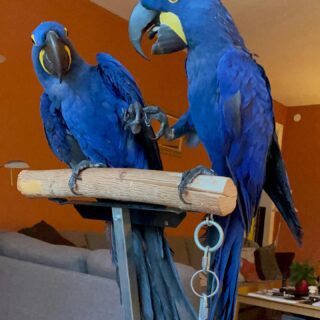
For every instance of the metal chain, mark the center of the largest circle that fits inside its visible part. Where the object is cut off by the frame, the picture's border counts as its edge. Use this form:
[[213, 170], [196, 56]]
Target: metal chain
[[206, 263]]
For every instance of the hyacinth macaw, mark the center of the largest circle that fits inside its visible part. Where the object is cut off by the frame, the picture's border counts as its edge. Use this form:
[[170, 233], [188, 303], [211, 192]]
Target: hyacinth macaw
[[230, 109], [84, 110]]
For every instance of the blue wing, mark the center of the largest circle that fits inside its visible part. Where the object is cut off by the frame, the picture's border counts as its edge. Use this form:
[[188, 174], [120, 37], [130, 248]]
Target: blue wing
[[116, 76], [153, 258], [120, 79], [254, 162], [246, 108], [60, 140]]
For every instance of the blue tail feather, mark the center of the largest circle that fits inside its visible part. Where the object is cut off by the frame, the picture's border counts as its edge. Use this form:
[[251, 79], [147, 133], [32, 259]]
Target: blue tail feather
[[226, 264]]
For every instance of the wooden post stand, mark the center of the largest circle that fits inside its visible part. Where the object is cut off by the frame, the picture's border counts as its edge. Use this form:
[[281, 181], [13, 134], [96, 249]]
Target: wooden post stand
[[153, 192]]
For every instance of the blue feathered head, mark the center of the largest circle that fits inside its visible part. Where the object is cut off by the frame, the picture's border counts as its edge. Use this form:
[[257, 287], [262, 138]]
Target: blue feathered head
[[180, 24], [52, 51]]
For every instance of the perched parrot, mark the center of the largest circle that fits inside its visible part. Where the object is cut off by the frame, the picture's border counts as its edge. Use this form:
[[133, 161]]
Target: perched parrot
[[85, 111], [230, 109]]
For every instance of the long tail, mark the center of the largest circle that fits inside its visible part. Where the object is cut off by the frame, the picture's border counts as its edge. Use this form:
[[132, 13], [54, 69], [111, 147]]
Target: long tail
[[278, 188], [161, 294], [226, 264]]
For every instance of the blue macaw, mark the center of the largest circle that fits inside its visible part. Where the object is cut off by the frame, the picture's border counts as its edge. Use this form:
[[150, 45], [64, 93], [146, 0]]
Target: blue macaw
[[85, 111], [230, 109]]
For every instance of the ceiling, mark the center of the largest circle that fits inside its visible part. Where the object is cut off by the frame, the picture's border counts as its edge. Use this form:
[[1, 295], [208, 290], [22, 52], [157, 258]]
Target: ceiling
[[285, 34]]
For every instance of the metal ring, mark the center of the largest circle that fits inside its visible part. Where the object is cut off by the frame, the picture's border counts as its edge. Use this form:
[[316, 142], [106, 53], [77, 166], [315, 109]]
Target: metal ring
[[212, 293], [209, 223]]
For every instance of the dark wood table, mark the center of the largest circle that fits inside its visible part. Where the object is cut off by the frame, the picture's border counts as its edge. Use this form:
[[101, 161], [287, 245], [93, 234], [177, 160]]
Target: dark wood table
[[266, 302]]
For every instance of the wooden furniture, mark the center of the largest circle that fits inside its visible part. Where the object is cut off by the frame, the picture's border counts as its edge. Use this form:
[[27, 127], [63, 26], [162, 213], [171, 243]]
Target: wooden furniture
[[246, 287], [263, 302]]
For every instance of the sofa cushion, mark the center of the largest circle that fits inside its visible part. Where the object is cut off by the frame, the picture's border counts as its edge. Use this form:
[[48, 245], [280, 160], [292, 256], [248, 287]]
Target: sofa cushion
[[32, 291], [43, 231], [250, 244], [185, 274], [21, 247], [99, 263], [76, 237], [97, 241], [248, 267], [266, 263]]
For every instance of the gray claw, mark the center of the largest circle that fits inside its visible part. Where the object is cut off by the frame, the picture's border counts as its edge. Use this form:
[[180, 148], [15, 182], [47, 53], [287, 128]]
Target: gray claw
[[73, 184], [156, 113], [189, 176], [133, 117], [76, 171], [181, 188]]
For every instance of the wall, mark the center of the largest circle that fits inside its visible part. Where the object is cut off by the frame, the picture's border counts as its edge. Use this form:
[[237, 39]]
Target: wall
[[280, 112], [301, 150]]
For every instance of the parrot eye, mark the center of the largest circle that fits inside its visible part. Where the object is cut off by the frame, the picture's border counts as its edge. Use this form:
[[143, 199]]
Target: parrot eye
[[66, 31], [33, 39], [173, 1]]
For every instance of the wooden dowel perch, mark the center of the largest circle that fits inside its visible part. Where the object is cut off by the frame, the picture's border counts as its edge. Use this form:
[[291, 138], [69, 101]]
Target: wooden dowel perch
[[209, 194]]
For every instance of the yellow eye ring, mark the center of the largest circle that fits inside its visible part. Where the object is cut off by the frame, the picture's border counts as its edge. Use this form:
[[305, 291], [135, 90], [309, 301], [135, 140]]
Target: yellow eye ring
[[33, 39], [173, 1], [66, 31]]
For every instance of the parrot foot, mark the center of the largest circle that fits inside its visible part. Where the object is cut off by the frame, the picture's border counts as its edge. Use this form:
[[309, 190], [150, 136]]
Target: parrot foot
[[76, 171], [189, 176], [133, 118], [136, 114], [156, 113]]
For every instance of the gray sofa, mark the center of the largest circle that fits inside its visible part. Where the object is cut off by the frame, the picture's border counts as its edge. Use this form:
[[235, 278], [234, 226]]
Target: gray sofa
[[41, 281]]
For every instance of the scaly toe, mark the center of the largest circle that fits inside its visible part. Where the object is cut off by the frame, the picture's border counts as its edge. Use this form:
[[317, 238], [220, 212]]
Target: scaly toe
[[73, 184], [183, 185], [76, 171], [182, 189], [188, 177]]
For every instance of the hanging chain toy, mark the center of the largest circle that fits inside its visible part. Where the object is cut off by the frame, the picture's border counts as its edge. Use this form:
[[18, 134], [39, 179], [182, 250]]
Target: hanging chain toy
[[206, 263]]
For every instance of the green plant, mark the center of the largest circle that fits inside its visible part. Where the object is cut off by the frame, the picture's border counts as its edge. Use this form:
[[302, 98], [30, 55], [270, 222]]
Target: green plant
[[300, 272]]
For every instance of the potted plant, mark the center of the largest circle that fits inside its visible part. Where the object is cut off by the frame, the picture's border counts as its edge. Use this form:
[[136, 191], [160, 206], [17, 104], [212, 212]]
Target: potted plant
[[302, 275]]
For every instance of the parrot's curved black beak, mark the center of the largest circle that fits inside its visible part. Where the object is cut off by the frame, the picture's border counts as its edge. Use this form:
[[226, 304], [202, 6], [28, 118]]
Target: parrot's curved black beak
[[166, 26], [141, 20], [55, 57]]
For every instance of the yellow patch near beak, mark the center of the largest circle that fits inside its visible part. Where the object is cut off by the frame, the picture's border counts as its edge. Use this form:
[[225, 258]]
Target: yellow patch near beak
[[69, 55], [41, 55], [171, 20], [41, 59]]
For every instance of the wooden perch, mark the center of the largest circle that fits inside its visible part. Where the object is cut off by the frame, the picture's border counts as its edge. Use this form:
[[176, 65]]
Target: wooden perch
[[209, 194]]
